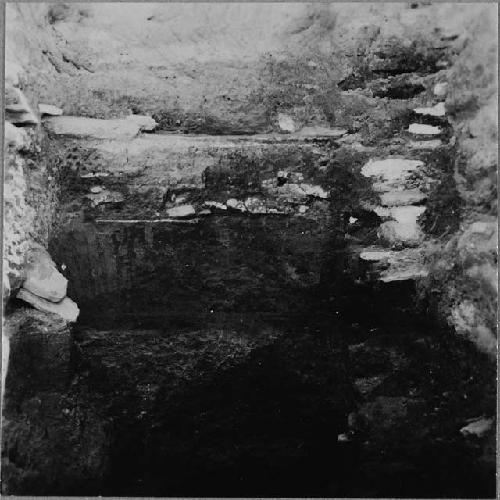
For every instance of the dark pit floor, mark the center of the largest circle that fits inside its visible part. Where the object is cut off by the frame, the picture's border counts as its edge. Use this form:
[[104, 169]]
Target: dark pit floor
[[227, 357]]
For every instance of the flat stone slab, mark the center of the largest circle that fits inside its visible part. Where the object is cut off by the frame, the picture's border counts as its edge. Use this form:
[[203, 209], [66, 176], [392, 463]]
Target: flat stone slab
[[421, 129], [437, 110], [94, 128], [402, 198], [49, 110], [390, 173], [66, 309]]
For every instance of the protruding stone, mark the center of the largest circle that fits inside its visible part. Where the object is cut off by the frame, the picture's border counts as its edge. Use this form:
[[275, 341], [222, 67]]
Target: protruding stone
[[478, 427], [215, 205], [440, 89], [286, 123], [391, 172], [396, 233], [321, 132], [42, 277], [49, 110], [181, 211], [15, 136], [375, 255], [402, 198], [17, 109], [431, 144], [422, 129], [437, 110], [104, 196], [236, 205], [145, 123], [315, 191], [96, 189], [125, 128], [66, 309]]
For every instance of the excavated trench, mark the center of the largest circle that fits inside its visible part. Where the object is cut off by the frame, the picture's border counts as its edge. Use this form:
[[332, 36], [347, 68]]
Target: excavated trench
[[252, 320], [247, 350]]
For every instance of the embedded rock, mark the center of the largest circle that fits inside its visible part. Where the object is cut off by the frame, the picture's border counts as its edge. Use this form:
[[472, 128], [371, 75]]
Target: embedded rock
[[397, 198], [286, 123], [478, 427], [437, 110], [181, 211], [94, 128], [42, 277], [49, 110], [66, 309], [421, 129], [440, 89], [15, 136]]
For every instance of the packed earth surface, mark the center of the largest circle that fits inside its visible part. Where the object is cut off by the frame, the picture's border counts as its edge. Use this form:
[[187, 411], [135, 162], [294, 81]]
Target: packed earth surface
[[250, 250]]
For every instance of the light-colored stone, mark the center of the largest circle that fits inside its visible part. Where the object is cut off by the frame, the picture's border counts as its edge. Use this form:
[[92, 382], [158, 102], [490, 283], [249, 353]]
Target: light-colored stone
[[321, 132], [42, 277], [401, 198], [431, 144], [49, 110], [181, 211], [397, 233], [286, 123], [104, 196], [437, 110], [255, 205], [390, 173], [96, 189], [145, 123], [18, 109], [215, 205], [315, 191], [66, 309], [478, 427], [440, 89], [422, 129], [125, 128], [236, 205], [375, 255], [15, 136]]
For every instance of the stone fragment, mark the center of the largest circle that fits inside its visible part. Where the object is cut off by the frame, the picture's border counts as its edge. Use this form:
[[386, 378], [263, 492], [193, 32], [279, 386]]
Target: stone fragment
[[391, 172], [303, 209], [478, 427], [440, 89], [396, 233], [15, 136], [402, 198], [66, 309], [96, 189], [421, 129], [104, 196], [432, 144], [236, 204], [18, 110], [49, 110], [124, 128], [255, 205], [181, 211], [286, 123], [375, 255], [437, 110], [315, 191], [216, 205], [42, 277], [145, 123], [320, 132]]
